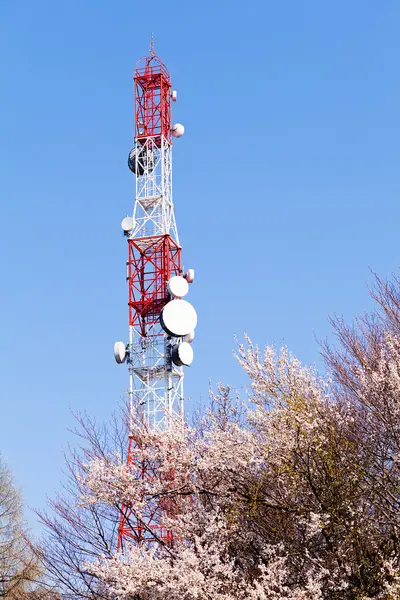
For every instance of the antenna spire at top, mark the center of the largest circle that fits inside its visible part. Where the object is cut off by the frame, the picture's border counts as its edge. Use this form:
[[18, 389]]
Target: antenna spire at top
[[152, 51]]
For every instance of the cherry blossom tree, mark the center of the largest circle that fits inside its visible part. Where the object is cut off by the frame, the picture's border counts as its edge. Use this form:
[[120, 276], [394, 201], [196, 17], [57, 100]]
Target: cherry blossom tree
[[291, 493]]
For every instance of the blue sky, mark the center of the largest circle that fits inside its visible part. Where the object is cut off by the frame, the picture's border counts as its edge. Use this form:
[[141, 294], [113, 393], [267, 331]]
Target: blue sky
[[286, 187]]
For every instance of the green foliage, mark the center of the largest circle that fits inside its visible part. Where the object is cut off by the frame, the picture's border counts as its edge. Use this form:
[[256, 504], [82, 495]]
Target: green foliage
[[19, 567]]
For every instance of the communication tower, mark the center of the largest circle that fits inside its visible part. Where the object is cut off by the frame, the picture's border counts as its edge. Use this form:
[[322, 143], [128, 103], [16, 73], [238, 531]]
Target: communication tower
[[161, 322]]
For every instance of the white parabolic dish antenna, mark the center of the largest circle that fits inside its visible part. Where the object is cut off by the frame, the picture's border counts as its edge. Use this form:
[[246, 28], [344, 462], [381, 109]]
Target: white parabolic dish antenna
[[128, 224], [178, 130], [178, 318], [189, 337], [189, 275], [178, 286], [182, 355], [119, 352]]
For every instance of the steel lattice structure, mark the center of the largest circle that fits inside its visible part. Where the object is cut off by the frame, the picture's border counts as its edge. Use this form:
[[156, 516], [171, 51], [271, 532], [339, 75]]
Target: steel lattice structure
[[154, 256]]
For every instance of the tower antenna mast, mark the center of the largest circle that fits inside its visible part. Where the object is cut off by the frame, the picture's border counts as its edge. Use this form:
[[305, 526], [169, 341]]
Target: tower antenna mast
[[161, 322], [152, 51]]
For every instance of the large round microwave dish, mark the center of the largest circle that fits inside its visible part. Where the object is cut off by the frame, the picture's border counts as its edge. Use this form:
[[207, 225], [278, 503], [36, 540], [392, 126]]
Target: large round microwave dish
[[178, 318], [182, 354], [178, 286], [119, 352], [134, 165]]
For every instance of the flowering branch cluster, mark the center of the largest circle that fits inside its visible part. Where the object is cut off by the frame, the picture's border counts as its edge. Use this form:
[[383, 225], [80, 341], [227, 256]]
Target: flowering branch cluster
[[293, 494]]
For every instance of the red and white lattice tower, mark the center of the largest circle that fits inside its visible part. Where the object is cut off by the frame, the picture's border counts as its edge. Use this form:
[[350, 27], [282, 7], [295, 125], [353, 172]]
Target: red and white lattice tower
[[161, 323]]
